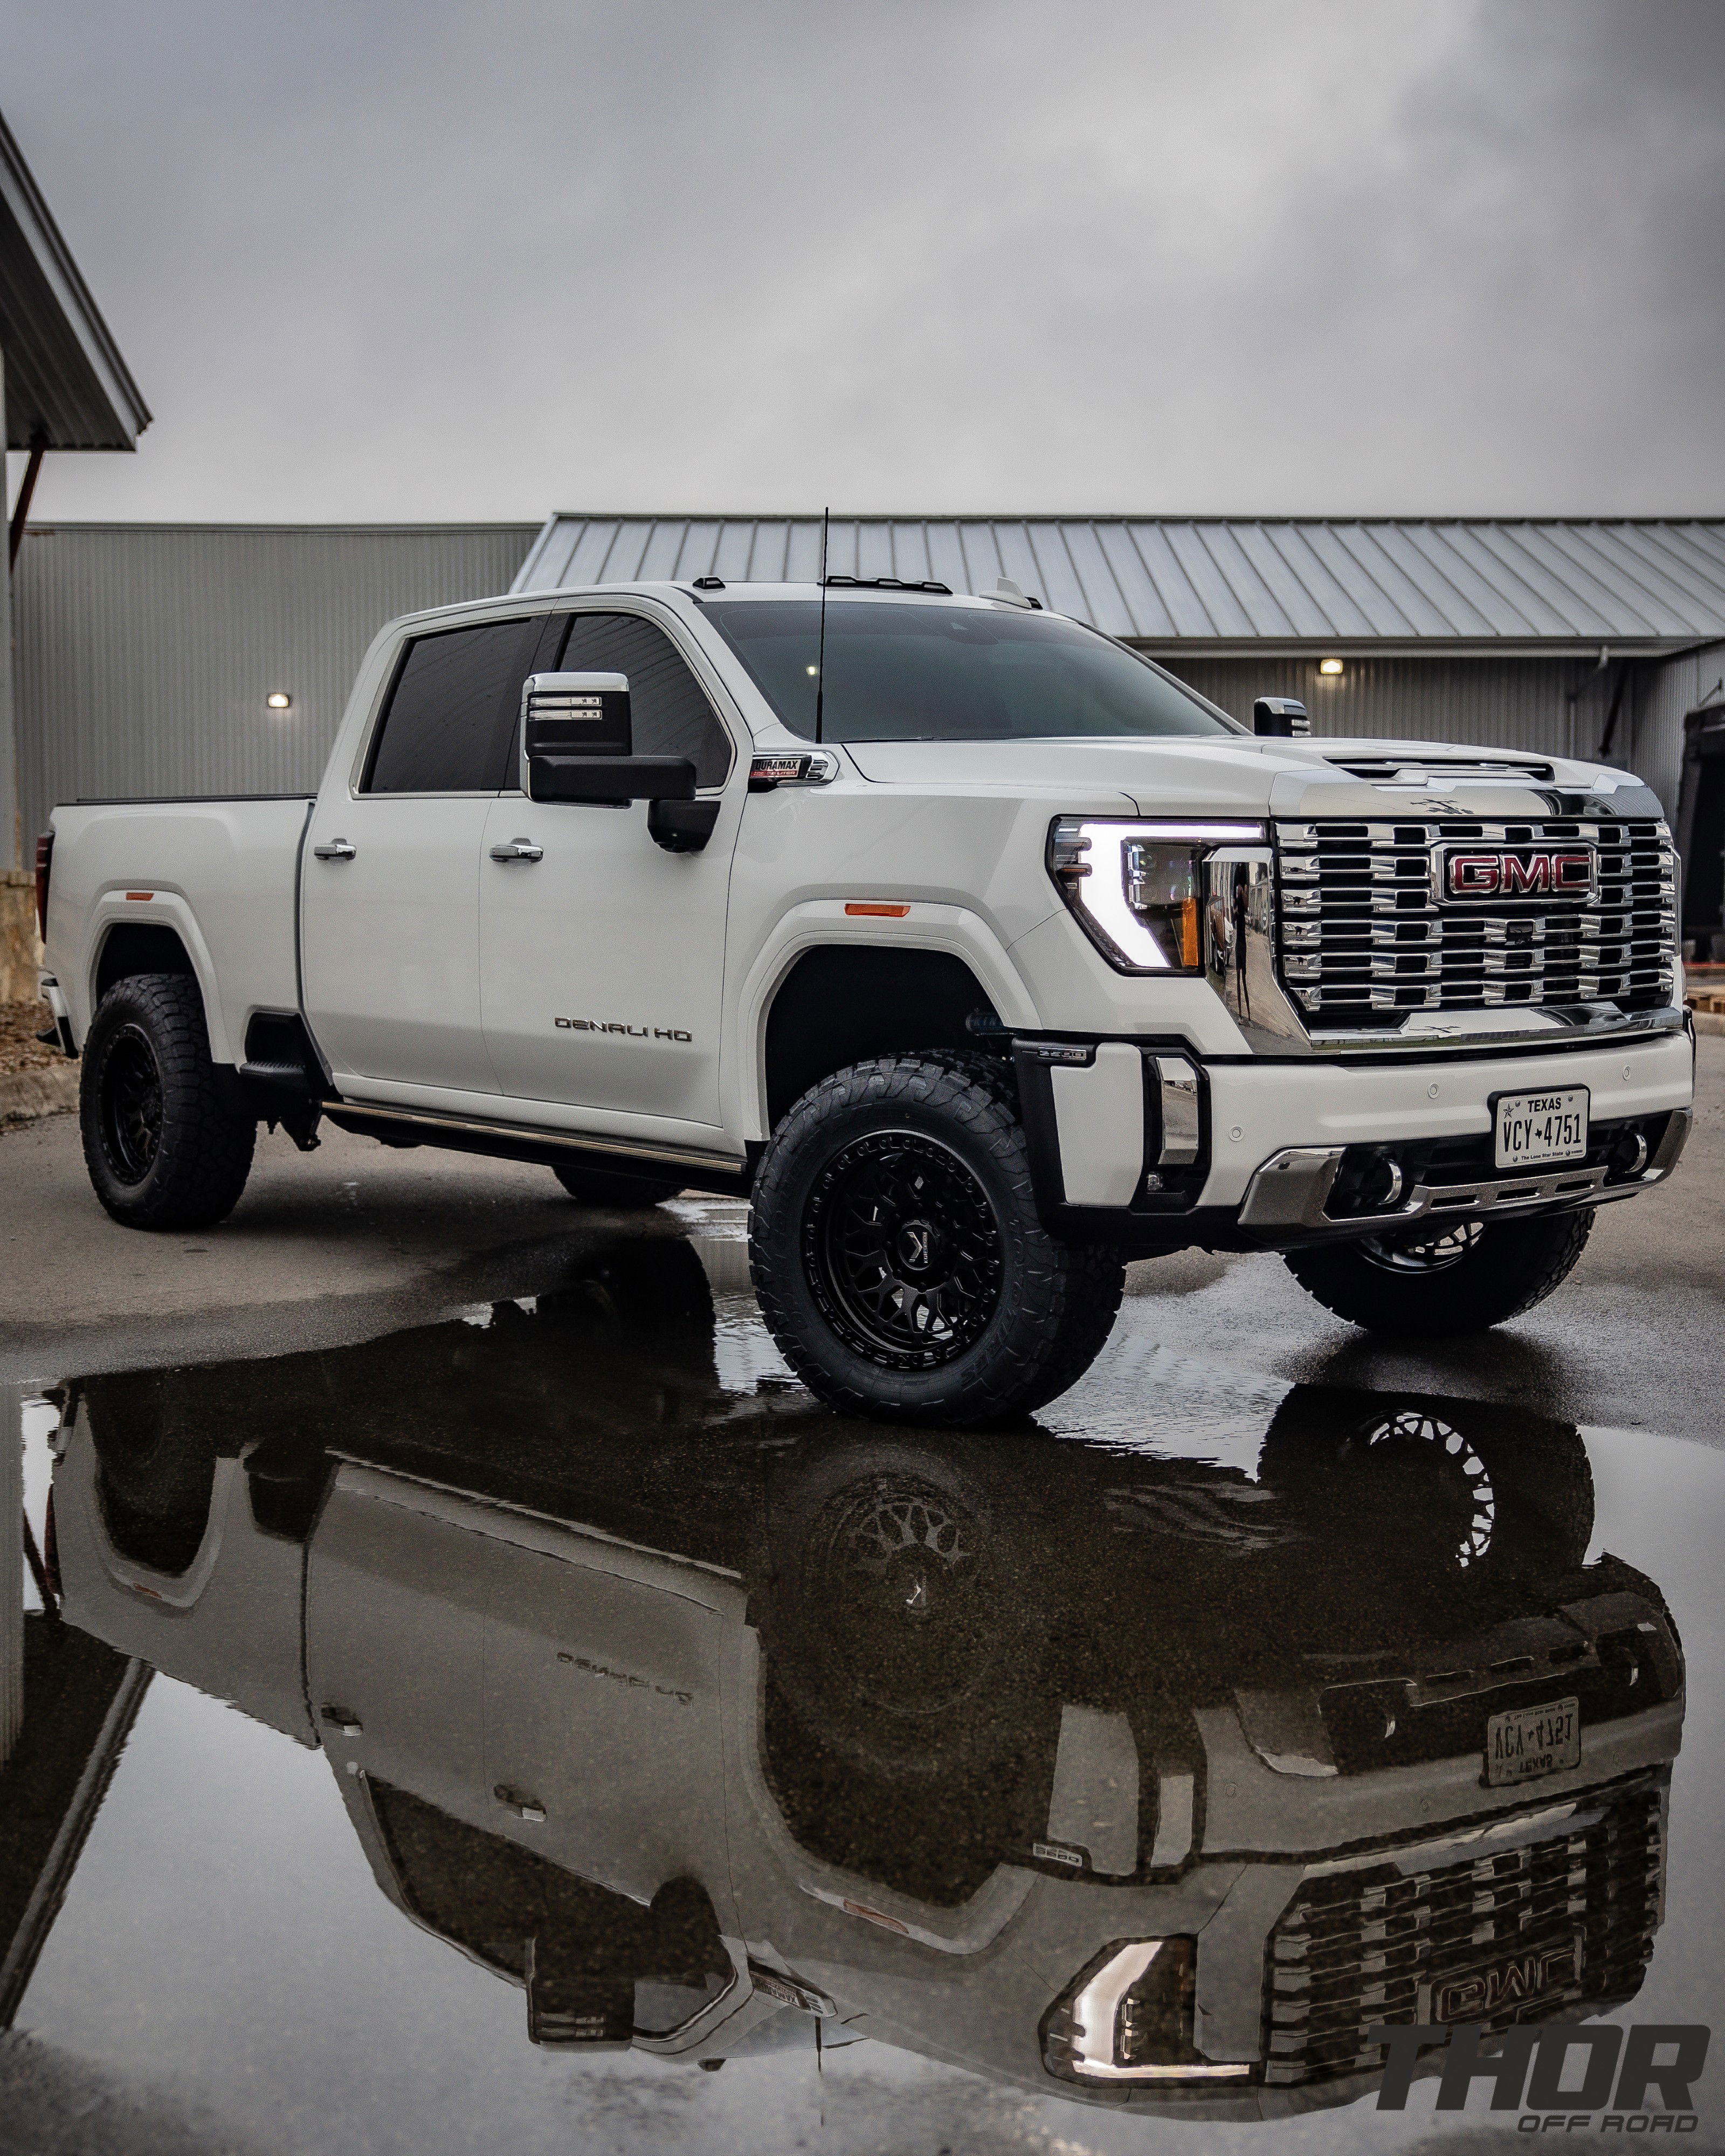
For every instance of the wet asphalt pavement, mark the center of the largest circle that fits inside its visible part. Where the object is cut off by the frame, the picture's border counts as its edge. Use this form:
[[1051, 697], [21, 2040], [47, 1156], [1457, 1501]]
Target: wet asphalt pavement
[[490, 1706]]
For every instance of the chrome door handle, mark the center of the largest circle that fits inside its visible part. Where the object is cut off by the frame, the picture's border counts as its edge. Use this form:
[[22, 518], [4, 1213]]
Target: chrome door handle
[[337, 850], [518, 850]]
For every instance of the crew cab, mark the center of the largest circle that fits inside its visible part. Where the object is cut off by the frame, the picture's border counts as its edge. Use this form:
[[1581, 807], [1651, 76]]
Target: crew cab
[[981, 952]]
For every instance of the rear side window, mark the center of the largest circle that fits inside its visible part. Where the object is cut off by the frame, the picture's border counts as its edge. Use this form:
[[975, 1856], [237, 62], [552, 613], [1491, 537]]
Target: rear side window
[[668, 707], [452, 713]]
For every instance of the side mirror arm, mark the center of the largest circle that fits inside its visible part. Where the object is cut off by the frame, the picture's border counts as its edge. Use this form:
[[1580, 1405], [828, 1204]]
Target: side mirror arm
[[682, 827]]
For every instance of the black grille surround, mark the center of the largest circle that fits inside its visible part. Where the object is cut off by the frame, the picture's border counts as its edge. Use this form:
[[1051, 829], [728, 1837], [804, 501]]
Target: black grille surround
[[1377, 1942], [1362, 933]]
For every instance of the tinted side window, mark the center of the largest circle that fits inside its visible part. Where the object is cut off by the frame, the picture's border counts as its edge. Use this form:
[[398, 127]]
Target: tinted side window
[[452, 711], [668, 706]]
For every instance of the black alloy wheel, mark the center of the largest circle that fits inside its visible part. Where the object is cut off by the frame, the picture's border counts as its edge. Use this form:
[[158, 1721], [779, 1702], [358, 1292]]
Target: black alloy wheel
[[131, 1117], [1451, 1277], [1435, 1253], [167, 1136], [900, 1258], [903, 1250]]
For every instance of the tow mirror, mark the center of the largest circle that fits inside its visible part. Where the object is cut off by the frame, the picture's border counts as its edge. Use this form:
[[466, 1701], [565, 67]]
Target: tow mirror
[[576, 739], [1270, 715], [577, 743]]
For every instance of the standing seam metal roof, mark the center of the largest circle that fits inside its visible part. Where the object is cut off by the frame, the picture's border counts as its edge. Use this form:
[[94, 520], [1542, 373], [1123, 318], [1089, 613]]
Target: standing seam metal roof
[[1167, 580]]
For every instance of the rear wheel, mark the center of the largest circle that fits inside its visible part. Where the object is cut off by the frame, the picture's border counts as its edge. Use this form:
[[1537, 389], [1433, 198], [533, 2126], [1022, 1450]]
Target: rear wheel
[[164, 1147], [623, 1193], [1447, 1277], [898, 1255]]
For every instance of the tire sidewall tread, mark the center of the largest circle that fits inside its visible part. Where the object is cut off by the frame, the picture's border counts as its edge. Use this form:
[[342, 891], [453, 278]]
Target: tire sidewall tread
[[206, 1147], [1055, 1304]]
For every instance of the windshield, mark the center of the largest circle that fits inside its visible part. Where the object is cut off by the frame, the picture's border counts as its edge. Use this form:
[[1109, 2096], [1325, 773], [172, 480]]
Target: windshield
[[912, 671]]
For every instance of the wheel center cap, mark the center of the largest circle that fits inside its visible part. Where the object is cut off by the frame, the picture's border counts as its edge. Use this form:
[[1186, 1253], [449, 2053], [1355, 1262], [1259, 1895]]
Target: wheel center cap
[[917, 1244]]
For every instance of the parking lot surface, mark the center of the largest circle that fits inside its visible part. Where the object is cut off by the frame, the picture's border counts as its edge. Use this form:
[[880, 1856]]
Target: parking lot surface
[[476, 1698]]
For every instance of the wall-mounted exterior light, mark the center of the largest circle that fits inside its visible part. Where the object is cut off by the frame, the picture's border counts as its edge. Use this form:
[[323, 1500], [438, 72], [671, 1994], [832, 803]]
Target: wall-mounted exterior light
[[279, 699], [1329, 666]]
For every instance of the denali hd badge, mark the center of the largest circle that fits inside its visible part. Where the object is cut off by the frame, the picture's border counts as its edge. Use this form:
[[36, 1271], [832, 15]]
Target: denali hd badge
[[1512, 872]]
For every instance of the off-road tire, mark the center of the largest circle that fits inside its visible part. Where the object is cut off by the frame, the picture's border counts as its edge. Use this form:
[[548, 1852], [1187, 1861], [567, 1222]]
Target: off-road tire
[[1510, 1266], [1432, 1486], [621, 1194], [912, 1688], [1041, 1308], [166, 1145]]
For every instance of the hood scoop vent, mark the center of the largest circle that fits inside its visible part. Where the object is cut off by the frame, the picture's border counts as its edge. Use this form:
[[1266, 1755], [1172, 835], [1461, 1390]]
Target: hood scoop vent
[[1442, 770]]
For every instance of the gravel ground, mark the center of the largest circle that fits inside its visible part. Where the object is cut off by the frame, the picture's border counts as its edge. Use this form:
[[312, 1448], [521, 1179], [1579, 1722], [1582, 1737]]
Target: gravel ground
[[20, 1048]]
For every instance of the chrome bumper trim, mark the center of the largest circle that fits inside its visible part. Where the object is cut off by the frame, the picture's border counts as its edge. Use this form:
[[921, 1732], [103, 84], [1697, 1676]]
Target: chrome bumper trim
[[1288, 1193]]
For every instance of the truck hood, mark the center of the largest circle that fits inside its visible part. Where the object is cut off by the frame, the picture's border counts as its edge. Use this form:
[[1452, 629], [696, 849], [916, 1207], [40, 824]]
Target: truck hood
[[1242, 774]]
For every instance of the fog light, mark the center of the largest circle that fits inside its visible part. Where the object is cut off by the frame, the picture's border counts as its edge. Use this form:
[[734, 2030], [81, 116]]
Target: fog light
[[1628, 1155], [1128, 2017]]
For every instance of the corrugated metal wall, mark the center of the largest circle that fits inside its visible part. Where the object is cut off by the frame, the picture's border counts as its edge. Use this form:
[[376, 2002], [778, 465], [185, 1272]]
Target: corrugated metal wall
[[145, 653], [1488, 702], [1678, 687]]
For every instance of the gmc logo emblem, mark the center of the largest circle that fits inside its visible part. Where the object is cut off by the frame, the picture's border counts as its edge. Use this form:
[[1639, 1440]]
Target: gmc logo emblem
[[1524, 872], [1484, 1992]]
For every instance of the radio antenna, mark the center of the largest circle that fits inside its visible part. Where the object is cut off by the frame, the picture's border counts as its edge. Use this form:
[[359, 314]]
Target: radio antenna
[[820, 660]]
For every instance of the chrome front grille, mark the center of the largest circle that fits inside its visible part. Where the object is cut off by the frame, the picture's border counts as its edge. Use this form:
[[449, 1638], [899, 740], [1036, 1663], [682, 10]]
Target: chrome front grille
[[1415, 1940], [1363, 928]]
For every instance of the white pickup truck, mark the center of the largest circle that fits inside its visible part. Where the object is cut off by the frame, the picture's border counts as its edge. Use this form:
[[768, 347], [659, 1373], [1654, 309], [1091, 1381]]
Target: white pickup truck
[[978, 950]]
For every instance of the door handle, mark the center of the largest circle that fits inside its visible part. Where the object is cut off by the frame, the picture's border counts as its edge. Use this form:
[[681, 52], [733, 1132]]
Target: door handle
[[518, 850], [524, 1807], [337, 850]]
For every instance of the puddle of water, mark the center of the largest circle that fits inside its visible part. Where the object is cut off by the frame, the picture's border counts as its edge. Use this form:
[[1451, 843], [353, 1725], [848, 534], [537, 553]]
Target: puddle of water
[[474, 1736]]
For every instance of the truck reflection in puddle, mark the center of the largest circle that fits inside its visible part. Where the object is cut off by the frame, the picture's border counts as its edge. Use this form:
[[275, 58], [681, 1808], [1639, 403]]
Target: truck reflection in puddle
[[698, 1713]]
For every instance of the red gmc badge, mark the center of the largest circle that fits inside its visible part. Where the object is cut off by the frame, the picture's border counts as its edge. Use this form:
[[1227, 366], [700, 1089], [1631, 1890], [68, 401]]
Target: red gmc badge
[[1519, 872]]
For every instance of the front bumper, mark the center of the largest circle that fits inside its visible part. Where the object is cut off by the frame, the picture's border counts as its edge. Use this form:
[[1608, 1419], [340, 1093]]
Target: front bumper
[[1151, 1147]]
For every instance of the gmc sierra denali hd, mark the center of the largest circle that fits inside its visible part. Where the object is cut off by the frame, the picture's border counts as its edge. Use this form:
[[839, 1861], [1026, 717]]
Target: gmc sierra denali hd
[[978, 951]]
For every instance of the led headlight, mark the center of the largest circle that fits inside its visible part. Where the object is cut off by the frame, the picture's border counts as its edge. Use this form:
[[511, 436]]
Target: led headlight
[[1138, 888], [1128, 2018]]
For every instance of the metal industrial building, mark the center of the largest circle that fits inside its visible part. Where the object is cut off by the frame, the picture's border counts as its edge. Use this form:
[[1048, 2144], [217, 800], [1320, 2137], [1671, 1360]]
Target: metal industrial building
[[145, 653]]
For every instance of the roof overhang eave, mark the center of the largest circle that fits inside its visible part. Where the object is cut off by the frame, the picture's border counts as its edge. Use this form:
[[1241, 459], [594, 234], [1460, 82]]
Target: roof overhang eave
[[73, 390]]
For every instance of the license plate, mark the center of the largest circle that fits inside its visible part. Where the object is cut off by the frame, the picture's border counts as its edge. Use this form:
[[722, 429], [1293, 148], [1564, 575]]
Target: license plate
[[1534, 1128], [1533, 1741]]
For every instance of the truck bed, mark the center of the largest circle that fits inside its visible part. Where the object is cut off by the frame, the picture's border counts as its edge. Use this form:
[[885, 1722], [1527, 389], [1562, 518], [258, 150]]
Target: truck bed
[[221, 874]]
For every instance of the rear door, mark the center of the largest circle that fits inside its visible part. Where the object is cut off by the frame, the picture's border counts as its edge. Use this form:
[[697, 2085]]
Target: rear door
[[603, 958], [396, 1582], [390, 880]]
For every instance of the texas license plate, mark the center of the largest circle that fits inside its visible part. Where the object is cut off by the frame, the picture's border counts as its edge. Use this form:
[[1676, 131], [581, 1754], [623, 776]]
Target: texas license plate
[[1532, 1741], [1532, 1129]]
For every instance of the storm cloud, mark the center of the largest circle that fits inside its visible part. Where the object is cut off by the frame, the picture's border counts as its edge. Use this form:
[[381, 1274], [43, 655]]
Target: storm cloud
[[391, 261]]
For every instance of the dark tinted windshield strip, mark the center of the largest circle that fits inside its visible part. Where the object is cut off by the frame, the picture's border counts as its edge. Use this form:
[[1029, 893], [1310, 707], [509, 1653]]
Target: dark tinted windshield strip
[[915, 671]]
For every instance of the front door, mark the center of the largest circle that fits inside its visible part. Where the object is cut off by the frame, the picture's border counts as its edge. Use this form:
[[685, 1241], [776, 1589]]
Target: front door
[[602, 960], [602, 1712], [390, 880]]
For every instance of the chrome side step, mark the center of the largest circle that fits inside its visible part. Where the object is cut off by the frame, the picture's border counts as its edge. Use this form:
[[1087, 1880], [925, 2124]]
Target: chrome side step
[[454, 1129]]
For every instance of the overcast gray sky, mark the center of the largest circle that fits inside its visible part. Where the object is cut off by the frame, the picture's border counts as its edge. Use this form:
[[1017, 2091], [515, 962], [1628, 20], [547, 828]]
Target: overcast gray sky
[[385, 260]]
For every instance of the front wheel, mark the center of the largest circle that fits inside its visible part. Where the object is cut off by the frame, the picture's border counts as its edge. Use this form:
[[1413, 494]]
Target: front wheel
[[164, 1147], [1443, 1277], [898, 1255]]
